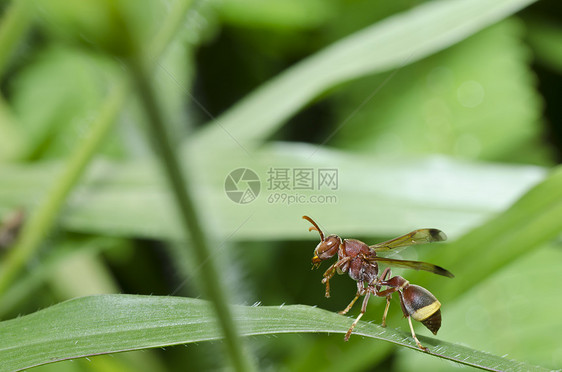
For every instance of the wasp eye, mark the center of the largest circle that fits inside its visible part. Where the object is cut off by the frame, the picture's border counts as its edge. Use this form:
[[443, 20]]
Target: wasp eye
[[326, 249]]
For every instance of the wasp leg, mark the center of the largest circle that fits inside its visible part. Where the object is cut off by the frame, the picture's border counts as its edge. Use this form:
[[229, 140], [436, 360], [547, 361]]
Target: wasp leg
[[363, 309], [384, 274], [331, 272], [409, 319], [344, 311], [385, 311], [394, 284], [360, 291], [383, 277], [388, 294], [414, 335], [327, 276]]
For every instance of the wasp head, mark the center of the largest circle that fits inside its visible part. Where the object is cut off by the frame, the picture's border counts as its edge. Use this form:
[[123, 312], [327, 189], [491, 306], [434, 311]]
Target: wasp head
[[327, 247]]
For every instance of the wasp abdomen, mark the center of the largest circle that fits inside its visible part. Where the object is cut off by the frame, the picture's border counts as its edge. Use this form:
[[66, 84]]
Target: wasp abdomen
[[422, 306], [433, 323]]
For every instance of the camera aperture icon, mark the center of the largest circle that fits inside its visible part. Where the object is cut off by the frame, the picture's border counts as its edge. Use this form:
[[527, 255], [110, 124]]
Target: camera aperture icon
[[242, 185]]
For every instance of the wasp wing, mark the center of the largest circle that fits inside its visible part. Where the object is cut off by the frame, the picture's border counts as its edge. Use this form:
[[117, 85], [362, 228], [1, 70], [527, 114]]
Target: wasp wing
[[416, 265], [420, 236]]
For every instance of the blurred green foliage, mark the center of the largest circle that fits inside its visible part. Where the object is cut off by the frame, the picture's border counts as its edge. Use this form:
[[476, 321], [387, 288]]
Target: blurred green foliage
[[432, 117]]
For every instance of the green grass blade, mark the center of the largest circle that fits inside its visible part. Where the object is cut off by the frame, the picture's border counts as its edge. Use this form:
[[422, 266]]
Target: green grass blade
[[180, 185], [40, 222], [15, 22], [389, 44], [104, 324], [129, 199], [29, 284], [535, 219]]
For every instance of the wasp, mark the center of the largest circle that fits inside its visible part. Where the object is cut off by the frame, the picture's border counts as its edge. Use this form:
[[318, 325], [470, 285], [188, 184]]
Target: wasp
[[360, 261]]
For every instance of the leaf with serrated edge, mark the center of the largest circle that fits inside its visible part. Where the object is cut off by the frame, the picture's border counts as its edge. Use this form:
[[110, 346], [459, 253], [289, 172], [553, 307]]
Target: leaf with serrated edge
[[106, 324]]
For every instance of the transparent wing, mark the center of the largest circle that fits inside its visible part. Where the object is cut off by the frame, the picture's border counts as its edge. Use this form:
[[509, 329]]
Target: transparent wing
[[416, 265], [420, 236]]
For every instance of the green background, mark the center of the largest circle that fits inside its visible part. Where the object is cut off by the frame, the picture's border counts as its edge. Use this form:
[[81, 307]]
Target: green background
[[433, 113]]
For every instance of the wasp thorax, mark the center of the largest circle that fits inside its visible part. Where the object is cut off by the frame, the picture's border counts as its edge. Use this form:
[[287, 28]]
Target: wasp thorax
[[423, 307], [327, 248]]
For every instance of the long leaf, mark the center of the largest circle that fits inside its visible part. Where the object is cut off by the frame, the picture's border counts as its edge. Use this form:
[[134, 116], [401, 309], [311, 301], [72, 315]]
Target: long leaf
[[112, 323], [532, 221], [389, 44], [377, 196]]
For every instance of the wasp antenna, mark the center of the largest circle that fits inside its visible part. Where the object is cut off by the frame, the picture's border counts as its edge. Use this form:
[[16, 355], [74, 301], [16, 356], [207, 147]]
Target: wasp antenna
[[315, 227]]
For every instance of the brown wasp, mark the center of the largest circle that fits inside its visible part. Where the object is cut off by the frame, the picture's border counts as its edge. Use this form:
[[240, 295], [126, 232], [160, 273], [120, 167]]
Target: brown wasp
[[360, 261]]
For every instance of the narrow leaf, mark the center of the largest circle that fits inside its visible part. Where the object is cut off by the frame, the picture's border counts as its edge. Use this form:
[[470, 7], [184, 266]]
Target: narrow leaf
[[392, 197], [105, 324], [389, 44]]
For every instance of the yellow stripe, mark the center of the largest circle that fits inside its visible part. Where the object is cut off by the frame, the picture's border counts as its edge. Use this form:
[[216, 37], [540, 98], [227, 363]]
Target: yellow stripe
[[426, 311]]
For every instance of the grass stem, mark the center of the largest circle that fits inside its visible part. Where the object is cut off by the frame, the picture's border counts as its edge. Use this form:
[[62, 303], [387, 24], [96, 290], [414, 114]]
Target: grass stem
[[179, 182]]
